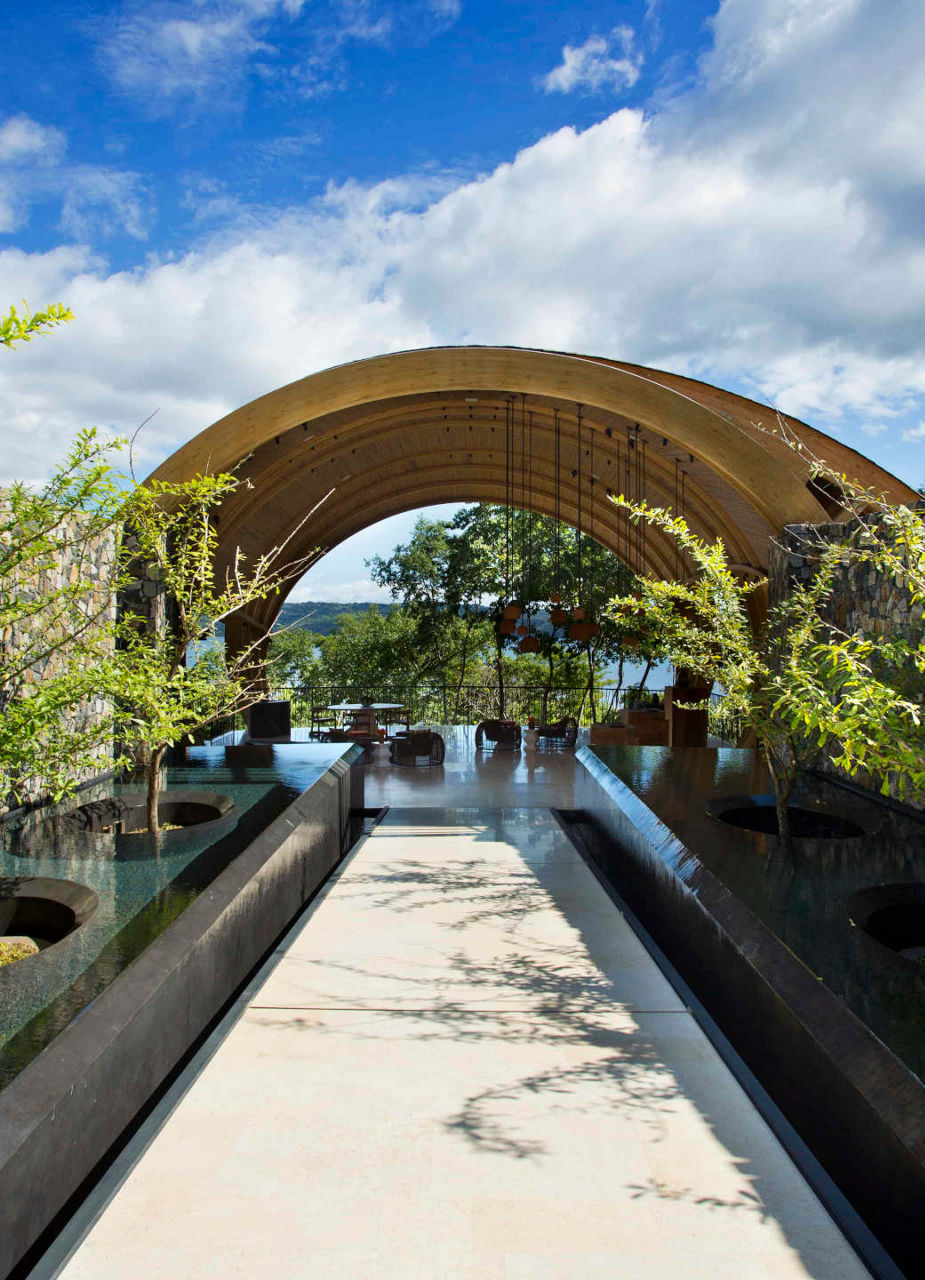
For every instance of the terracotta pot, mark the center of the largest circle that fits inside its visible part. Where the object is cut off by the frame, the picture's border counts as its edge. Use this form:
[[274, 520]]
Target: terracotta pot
[[529, 644], [558, 617], [578, 613], [506, 627], [512, 611]]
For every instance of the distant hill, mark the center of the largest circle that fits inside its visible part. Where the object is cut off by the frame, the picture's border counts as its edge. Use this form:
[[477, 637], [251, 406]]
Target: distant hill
[[321, 615]]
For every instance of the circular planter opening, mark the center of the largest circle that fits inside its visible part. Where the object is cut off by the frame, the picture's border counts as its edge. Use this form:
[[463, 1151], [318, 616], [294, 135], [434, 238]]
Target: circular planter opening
[[127, 814], [42, 911], [894, 916], [759, 813]]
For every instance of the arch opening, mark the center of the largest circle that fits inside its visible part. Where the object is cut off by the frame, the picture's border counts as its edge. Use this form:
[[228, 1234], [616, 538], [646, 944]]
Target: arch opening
[[360, 442]]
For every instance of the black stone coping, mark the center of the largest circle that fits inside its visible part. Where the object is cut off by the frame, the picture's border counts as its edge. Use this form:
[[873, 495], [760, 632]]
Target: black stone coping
[[65, 1110], [855, 1104]]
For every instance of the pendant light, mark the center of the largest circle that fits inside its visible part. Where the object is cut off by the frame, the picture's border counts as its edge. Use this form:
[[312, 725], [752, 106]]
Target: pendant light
[[578, 630], [512, 610], [529, 643], [593, 628], [557, 615]]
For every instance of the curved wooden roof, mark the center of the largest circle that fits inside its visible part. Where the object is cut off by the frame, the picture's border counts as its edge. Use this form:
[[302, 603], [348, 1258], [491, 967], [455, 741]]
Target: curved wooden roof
[[367, 440]]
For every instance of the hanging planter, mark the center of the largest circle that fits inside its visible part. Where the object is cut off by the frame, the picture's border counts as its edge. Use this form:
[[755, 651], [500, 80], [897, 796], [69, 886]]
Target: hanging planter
[[558, 617], [578, 614], [580, 631], [506, 627], [594, 629], [512, 612], [630, 641], [522, 630], [555, 598], [529, 644]]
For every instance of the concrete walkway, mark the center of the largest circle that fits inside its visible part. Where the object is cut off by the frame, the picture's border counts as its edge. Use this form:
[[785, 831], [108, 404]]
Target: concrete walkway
[[463, 1064]]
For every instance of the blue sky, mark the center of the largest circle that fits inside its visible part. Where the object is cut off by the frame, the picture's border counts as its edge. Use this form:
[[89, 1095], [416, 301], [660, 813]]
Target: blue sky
[[234, 193]]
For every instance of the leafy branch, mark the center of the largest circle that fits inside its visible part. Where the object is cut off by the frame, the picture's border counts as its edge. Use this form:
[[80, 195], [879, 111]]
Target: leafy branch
[[31, 324]]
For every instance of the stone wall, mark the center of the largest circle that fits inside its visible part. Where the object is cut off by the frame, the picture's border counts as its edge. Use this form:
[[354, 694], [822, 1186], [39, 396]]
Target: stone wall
[[864, 601], [79, 559]]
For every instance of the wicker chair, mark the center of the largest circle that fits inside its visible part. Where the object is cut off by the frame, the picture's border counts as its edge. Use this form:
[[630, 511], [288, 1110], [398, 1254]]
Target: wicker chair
[[562, 733], [502, 735], [419, 743]]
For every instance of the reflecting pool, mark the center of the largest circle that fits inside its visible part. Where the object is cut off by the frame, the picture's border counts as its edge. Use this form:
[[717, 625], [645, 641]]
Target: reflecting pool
[[805, 896], [142, 885]]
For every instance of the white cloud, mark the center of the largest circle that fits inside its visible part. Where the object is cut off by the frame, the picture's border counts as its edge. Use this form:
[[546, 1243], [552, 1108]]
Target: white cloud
[[99, 201], [592, 67], [450, 9], [161, 50], [288, 146], [755, 241], [95, 200], [915, 434], [321, 586], [22, 138], [169, 53]]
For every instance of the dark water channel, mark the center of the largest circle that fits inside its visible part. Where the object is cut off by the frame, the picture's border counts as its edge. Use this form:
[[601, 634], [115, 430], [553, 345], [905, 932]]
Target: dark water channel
[[808, 897], [142, 886]]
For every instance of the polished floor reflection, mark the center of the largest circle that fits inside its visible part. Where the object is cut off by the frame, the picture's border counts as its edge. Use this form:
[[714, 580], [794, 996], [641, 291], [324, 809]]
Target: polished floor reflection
[[487, 779], [462, 1063]]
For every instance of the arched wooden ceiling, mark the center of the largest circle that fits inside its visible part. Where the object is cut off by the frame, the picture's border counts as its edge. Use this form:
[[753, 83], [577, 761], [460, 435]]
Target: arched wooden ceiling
[[367, 440]]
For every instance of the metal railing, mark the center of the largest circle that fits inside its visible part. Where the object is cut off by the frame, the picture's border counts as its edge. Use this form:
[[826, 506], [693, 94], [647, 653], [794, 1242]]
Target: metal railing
[[433, 704]]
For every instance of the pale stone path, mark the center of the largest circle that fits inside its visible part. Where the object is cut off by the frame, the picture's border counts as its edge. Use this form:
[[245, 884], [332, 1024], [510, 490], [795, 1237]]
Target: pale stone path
[[464, 1065]]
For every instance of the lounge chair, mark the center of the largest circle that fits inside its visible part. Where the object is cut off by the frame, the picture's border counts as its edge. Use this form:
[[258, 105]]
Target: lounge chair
[[502, 735], [560, 733]]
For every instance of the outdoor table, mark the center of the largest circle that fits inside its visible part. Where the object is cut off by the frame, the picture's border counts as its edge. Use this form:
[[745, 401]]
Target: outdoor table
[[366, 706]]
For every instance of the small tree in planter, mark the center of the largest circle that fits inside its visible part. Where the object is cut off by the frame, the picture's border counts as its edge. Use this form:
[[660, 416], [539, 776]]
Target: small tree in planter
[[886, 676], [56, 616], [173, 540], [803, 684]]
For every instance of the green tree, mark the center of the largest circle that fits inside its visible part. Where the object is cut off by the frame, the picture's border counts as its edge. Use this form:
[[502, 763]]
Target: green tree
[[456, 578], [57, 621], [372, 649], [294, 659], [428, 576], [876, 725], [171, 537], [802, 684]]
